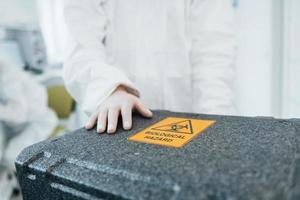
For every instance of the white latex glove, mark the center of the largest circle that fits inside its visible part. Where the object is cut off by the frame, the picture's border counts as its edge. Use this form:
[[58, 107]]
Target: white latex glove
[[119, 102]]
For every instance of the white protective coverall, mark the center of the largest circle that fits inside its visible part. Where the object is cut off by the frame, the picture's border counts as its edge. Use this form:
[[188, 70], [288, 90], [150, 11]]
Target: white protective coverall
[[176, 54], [24, 114]]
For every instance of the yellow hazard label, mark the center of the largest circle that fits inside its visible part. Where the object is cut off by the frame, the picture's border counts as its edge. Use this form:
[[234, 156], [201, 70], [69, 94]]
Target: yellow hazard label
[[172, 131]]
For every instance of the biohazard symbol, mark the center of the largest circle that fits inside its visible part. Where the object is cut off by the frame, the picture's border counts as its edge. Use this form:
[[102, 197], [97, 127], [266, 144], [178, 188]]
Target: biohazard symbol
[[184, 127]]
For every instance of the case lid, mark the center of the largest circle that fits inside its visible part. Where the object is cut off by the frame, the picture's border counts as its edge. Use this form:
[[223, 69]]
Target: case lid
[[235, 158]]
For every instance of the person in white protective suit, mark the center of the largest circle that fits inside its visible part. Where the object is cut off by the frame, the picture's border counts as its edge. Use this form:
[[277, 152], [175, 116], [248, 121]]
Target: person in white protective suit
[[24, 115], [177, 55]]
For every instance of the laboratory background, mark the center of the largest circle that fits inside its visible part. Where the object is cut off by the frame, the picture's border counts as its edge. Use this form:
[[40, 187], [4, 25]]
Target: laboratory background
[[34, 40]]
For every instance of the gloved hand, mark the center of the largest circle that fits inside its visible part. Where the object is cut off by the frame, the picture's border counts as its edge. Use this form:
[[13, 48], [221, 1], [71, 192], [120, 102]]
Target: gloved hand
[[119, 102]]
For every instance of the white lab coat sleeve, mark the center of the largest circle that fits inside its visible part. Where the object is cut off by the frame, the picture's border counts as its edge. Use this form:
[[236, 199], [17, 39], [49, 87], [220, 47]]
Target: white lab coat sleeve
[[213, 54], [88, 75], [15, 108]]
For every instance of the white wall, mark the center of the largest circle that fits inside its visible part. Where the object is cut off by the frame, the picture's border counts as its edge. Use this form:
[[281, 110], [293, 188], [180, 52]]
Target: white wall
[[291, 59], [254, 65], [18, 12]]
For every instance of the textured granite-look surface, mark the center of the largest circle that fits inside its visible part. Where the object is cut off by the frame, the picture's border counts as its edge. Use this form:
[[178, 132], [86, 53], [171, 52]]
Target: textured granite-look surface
[[237, 158]]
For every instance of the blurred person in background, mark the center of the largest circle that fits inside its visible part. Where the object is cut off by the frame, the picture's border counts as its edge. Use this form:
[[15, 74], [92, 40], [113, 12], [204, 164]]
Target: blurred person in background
[[177, 55], [24, 115]]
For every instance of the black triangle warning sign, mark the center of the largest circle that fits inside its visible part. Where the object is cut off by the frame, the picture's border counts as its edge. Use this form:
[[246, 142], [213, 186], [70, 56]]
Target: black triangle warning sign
[[184, 127]]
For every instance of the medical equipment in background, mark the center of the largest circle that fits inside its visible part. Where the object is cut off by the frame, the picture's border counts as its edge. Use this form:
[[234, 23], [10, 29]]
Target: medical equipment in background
[[30, 44], [9, 187], [62, 103]]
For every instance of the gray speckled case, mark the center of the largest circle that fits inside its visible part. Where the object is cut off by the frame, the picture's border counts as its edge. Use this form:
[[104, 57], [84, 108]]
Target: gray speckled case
[[237, 158]]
